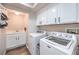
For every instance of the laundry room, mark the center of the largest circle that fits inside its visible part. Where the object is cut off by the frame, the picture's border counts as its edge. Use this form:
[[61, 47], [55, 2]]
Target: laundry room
[[39, 29]]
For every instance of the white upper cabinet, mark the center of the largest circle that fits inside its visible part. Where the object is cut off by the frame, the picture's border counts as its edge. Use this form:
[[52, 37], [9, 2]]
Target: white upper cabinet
[[58, 14], [41, 18], [52, 14], [48, 16], [67, 13], [78, 12]]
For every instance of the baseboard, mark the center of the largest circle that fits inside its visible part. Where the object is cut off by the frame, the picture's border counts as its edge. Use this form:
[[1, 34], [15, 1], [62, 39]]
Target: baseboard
[[4, 52], [14, 47]]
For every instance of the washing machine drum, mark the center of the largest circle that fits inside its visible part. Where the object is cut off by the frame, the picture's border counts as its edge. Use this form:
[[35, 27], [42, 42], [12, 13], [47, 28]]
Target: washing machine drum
[[61, 41]]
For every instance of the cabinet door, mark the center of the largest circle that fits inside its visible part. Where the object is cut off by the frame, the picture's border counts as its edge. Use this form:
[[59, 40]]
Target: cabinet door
[[11, 41], [38, 20], [44, 17], [21, 38], [68, 13], [78, 12], [52, 14]]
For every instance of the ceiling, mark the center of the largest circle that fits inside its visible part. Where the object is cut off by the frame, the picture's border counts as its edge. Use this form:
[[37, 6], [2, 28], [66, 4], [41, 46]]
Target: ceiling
[[25, 7], [30, 5]]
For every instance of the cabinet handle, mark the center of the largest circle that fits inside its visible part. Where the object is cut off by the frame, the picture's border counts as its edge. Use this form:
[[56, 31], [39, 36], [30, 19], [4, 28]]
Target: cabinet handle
[[48, 46], [40, 22], [59, 19], [55, 20], [16, 38]]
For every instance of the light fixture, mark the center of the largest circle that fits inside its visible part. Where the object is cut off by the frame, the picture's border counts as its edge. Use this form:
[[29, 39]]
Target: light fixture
[[17, 13], [31, 5]]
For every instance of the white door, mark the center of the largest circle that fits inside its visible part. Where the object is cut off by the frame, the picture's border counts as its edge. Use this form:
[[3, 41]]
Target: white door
[[21, 38], [39, 19], [11, 41], [68, 13], [52, 15], [78, 12], [44, 17]]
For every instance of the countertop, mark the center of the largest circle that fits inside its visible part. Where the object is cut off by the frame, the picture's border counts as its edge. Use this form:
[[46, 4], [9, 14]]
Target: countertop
[[36, 34], [14, 32]]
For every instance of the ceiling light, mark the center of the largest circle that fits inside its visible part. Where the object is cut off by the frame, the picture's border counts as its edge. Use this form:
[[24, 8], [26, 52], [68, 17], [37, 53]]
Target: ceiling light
[[31, 5]]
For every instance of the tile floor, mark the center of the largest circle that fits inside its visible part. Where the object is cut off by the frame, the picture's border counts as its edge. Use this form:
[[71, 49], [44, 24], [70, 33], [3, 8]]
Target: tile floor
[[18, 51]]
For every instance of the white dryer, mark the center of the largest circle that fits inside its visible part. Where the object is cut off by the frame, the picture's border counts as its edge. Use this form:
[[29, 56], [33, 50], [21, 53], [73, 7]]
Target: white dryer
[[58, 44]]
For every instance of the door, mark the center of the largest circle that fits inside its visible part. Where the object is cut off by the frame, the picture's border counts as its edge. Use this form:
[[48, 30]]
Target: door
[[44, 17], [68, 13], [39, 19], [21, 38], [52, 15], [78, 12], [11, 41]]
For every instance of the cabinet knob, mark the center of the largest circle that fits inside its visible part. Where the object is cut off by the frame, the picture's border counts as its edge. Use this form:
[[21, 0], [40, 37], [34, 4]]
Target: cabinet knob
[[55, 20], [16, 38]]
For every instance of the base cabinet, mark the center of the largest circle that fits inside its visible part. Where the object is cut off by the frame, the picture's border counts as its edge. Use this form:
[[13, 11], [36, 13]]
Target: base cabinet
[[15, 40]]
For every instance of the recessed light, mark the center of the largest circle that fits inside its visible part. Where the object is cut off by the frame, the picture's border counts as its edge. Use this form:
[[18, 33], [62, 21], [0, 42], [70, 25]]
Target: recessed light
[[31, 5]]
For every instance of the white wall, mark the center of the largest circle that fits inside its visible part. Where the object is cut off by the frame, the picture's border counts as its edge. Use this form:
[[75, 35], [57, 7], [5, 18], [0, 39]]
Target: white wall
[[17, 22]]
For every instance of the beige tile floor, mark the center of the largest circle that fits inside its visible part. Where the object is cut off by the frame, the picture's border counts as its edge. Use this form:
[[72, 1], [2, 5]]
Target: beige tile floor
[[18, 51]]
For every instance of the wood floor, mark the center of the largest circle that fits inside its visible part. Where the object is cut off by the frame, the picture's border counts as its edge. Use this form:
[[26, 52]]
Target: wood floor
[[18, 51], [23, 51]]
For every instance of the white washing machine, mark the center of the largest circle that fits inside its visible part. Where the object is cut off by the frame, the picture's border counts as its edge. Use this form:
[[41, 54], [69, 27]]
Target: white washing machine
[[33, 42], [58, 44]]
